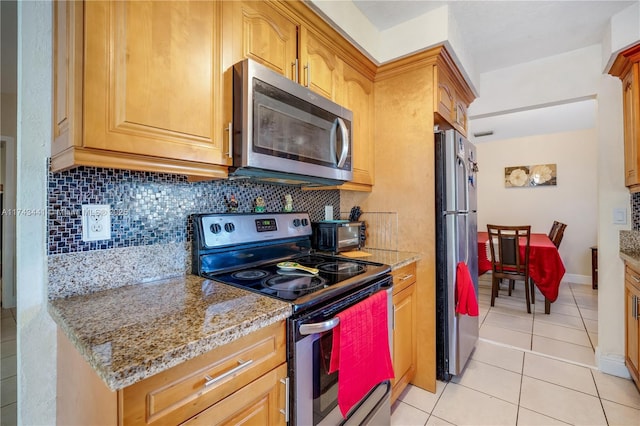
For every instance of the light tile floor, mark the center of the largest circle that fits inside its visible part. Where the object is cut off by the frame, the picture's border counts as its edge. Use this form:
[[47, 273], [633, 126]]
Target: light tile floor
[[8, 382], [528, 369]]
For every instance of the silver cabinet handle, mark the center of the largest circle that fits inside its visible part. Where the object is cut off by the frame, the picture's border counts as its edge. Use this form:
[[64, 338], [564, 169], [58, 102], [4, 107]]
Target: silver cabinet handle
[[294, 64], [406, 277], [634, 307], [211, 380], [285, 412], [635, 278], [230, 140], [307, 68], [319, 327]]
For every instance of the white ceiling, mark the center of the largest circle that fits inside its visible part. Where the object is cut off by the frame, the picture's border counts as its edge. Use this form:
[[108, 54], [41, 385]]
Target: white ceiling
[[498, 34]]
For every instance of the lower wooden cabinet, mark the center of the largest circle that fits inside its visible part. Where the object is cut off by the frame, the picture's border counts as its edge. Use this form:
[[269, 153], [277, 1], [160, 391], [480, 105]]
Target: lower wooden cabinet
[[632, 322], [404, 328], [244, 382]]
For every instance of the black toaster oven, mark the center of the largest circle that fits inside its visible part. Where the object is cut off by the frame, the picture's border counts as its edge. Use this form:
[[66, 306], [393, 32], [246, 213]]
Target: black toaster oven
[[336, 236]]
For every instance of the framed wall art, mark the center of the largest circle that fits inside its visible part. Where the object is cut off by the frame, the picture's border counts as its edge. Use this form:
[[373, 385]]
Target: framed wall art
[[530, 176]]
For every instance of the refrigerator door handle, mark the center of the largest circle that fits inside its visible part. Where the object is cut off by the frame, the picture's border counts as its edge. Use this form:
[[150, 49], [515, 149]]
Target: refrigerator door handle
[[462, 162]]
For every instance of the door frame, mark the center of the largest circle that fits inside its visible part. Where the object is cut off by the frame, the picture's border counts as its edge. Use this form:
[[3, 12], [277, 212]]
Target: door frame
[[9, 223]]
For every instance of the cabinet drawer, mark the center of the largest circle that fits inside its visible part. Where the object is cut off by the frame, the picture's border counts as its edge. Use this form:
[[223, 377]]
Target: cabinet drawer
[[403, 277], [181, 392], [262, 402], [632, 277]]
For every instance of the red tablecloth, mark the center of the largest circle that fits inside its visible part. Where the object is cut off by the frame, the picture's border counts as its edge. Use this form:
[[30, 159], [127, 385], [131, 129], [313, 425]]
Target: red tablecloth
[[545, 265]]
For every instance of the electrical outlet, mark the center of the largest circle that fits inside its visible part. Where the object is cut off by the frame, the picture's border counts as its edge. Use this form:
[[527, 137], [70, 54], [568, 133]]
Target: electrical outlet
[[96, 222]]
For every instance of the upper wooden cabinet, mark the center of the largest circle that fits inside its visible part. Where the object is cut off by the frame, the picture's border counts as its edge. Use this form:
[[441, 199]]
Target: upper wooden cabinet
[[356, 93], [265, 33], [452, 96], [138, 85], [626, 66], [318, 64], [293, 41]]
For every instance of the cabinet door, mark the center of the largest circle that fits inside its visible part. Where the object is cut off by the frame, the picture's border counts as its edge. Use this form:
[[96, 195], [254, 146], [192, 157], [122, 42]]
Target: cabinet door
[[258, 403], [318, 64], [356, 94], [632, 342], [460, 117], [404, 339], [263, 32], [631, 107], [445, 95], [152, 79], [67, 75]]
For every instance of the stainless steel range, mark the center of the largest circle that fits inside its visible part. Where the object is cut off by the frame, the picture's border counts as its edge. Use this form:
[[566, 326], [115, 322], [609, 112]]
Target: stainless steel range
[[244, 250]]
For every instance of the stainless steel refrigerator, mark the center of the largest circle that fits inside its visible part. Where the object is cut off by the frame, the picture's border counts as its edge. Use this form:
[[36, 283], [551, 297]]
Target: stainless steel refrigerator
[[456, 241]]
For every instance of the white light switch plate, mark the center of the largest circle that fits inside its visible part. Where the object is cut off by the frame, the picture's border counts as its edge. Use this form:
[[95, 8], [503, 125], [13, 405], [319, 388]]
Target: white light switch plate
[[328, 212], [96, 222], [620, 216]]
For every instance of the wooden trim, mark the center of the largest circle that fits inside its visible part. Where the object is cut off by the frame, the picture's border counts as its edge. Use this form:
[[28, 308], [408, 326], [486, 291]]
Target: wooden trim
[[624, 60], [78, 156], [408, 63]]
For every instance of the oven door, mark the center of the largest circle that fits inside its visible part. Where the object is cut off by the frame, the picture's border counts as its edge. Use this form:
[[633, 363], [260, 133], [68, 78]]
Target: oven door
[[316, 390]]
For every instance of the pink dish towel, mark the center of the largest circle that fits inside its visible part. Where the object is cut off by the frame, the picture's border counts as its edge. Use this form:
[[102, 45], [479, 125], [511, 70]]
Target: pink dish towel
[[466, 301], [361, 350]]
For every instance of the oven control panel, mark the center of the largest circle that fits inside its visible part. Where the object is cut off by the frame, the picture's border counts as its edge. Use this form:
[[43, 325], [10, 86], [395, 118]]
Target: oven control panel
[[219, 230]]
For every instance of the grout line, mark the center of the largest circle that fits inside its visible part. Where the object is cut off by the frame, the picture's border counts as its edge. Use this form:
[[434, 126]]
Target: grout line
[[530, 351]]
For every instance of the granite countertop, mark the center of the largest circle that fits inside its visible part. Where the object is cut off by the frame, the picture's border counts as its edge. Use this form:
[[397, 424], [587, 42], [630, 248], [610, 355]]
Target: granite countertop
[[630, 247], [395, 259], [130, 333]]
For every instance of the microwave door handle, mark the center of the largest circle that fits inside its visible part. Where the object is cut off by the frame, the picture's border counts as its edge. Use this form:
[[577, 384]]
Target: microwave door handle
[[345, 142]]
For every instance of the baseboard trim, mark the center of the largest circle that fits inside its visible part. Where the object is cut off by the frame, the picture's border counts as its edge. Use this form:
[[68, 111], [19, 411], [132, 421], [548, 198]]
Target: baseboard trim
[[612, 364], [576, 279]]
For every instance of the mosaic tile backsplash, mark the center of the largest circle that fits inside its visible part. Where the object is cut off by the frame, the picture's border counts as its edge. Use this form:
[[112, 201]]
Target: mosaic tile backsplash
[[635, 211], [154, 208]]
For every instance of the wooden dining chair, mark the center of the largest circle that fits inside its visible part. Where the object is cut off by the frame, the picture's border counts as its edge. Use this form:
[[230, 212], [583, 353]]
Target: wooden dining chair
[[555, 235], [506, 260], [557, 232]]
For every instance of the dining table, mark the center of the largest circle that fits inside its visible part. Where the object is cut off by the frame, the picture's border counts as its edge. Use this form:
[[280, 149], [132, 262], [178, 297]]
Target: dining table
[[545, 264]]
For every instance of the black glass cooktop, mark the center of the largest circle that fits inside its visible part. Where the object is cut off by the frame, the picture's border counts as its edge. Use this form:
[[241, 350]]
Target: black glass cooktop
[[298, 286]]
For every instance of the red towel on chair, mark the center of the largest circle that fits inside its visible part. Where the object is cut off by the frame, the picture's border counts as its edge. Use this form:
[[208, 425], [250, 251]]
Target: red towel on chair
[[361, 350], [466, 301]]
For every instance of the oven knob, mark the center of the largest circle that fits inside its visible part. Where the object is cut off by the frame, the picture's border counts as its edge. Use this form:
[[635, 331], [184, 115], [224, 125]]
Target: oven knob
[[215, 228], [296, 222], [305, 222], [229, 227]]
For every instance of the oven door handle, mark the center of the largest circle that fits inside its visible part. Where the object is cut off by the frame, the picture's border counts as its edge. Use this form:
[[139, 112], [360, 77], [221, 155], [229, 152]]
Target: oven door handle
[[319, 327]]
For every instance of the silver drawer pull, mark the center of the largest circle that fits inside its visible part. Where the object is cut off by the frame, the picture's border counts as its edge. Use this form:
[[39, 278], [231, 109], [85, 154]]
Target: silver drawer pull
[[285, 412], [320, 327], [406, 277], [211, 380], [635, 278]]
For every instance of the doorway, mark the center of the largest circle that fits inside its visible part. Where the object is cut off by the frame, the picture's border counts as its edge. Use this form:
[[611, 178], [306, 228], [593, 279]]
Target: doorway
[[8, 221]]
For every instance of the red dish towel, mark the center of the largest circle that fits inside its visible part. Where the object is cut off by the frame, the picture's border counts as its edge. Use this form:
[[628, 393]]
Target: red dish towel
[[361, 350], [466, 303]]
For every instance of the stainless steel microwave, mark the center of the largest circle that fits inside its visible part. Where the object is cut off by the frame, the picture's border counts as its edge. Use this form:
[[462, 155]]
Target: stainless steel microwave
[[285, 133]]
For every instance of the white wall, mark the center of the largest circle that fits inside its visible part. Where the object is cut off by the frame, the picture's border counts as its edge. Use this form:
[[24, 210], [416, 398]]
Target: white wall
[[36, 332], [573, 75], [611, 194], [572, 201]]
